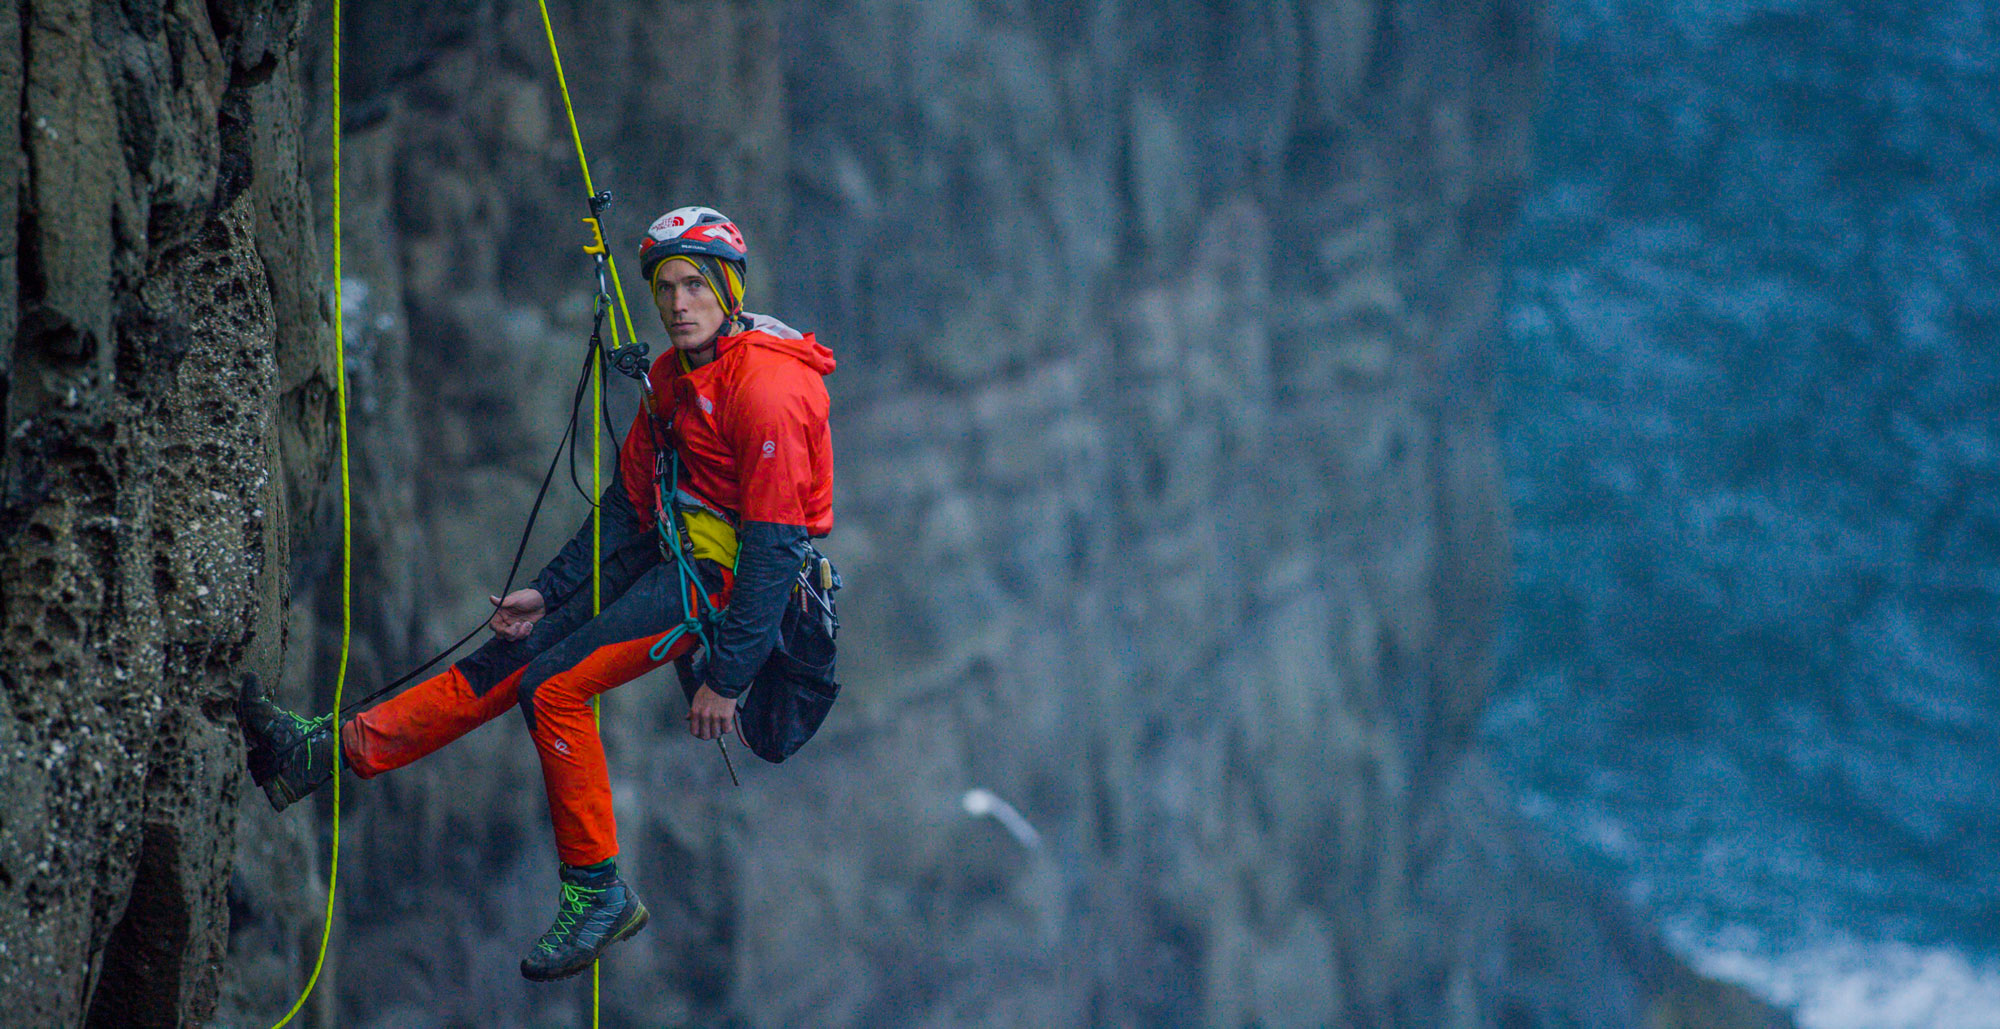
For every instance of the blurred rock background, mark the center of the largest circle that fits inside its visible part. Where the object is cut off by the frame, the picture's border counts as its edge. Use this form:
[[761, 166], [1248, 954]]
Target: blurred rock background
[[1168, 493]]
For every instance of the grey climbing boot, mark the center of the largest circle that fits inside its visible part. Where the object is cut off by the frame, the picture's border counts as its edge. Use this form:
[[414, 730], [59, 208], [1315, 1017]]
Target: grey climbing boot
[[290, 755], [597, 910]]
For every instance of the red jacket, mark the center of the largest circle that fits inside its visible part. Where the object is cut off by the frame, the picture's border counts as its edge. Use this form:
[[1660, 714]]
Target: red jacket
[[751, 428]]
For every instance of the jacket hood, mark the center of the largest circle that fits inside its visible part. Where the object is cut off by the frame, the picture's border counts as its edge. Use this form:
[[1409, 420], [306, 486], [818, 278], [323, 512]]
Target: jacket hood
[[768, 333]]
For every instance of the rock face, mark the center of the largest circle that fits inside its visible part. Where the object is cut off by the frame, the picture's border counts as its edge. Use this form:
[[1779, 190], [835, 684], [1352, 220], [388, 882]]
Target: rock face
[[165, 376], [1167, 493]]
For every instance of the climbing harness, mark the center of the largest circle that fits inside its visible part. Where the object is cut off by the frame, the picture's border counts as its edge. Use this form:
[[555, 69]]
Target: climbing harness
[[702, 614]]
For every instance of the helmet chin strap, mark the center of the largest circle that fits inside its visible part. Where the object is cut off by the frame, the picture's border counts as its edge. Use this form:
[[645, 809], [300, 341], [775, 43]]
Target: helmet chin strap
[[728, 323]]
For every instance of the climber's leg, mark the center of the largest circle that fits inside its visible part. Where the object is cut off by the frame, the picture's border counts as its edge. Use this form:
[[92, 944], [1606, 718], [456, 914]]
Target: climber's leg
[[633, 636], [420, 720], [474, 690]]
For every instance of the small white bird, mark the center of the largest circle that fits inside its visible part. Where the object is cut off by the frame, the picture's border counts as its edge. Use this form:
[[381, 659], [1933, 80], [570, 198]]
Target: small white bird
[[978, 802]]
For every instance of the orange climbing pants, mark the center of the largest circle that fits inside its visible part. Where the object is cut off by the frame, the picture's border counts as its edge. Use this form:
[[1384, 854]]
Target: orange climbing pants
[[551, 675]]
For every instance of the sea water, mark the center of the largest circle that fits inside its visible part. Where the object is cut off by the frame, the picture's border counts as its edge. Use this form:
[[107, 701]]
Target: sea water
[[1752, 351]]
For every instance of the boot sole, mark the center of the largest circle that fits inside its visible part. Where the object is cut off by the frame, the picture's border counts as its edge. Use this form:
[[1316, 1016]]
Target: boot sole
[[633, 924]]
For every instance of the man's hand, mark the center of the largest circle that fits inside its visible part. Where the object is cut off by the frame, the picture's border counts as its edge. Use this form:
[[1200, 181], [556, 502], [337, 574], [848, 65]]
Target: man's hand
[[517, 614], [712, 715]]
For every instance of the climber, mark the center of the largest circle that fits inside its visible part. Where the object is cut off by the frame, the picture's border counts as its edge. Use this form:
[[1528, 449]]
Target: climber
[[740, 399]]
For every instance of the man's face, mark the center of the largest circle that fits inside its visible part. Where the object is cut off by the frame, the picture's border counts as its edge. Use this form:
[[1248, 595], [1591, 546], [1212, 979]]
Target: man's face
[[690, 311]]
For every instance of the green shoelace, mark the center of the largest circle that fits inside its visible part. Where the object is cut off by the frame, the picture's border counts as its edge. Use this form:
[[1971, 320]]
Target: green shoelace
[[306, 727], [575, 903]]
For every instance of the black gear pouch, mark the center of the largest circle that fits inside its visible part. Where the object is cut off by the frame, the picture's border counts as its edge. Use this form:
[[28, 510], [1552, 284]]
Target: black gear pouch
[[790, 695]]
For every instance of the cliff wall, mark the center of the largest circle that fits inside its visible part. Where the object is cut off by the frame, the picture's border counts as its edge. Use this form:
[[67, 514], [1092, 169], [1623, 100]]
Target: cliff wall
[[167, 391], [1167, 493]]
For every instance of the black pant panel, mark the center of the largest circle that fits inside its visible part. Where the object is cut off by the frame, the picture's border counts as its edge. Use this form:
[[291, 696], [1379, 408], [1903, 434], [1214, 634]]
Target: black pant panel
[[497, 659]]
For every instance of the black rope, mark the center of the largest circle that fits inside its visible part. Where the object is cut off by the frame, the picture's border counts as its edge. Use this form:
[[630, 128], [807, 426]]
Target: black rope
[[521, 547], [603, 410], [575, 438]]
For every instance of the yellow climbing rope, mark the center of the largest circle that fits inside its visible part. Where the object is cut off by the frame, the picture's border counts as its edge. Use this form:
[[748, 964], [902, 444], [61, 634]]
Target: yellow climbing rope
[[346, 487], [583, 163], [346, 532], [597, 398]]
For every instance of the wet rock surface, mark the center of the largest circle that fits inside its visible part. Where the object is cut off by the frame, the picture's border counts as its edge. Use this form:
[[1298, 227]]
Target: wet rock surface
[[163, 411]]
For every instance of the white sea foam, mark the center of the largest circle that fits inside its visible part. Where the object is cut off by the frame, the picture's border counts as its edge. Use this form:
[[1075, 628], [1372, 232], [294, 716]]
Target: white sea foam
[[1856, 985]]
